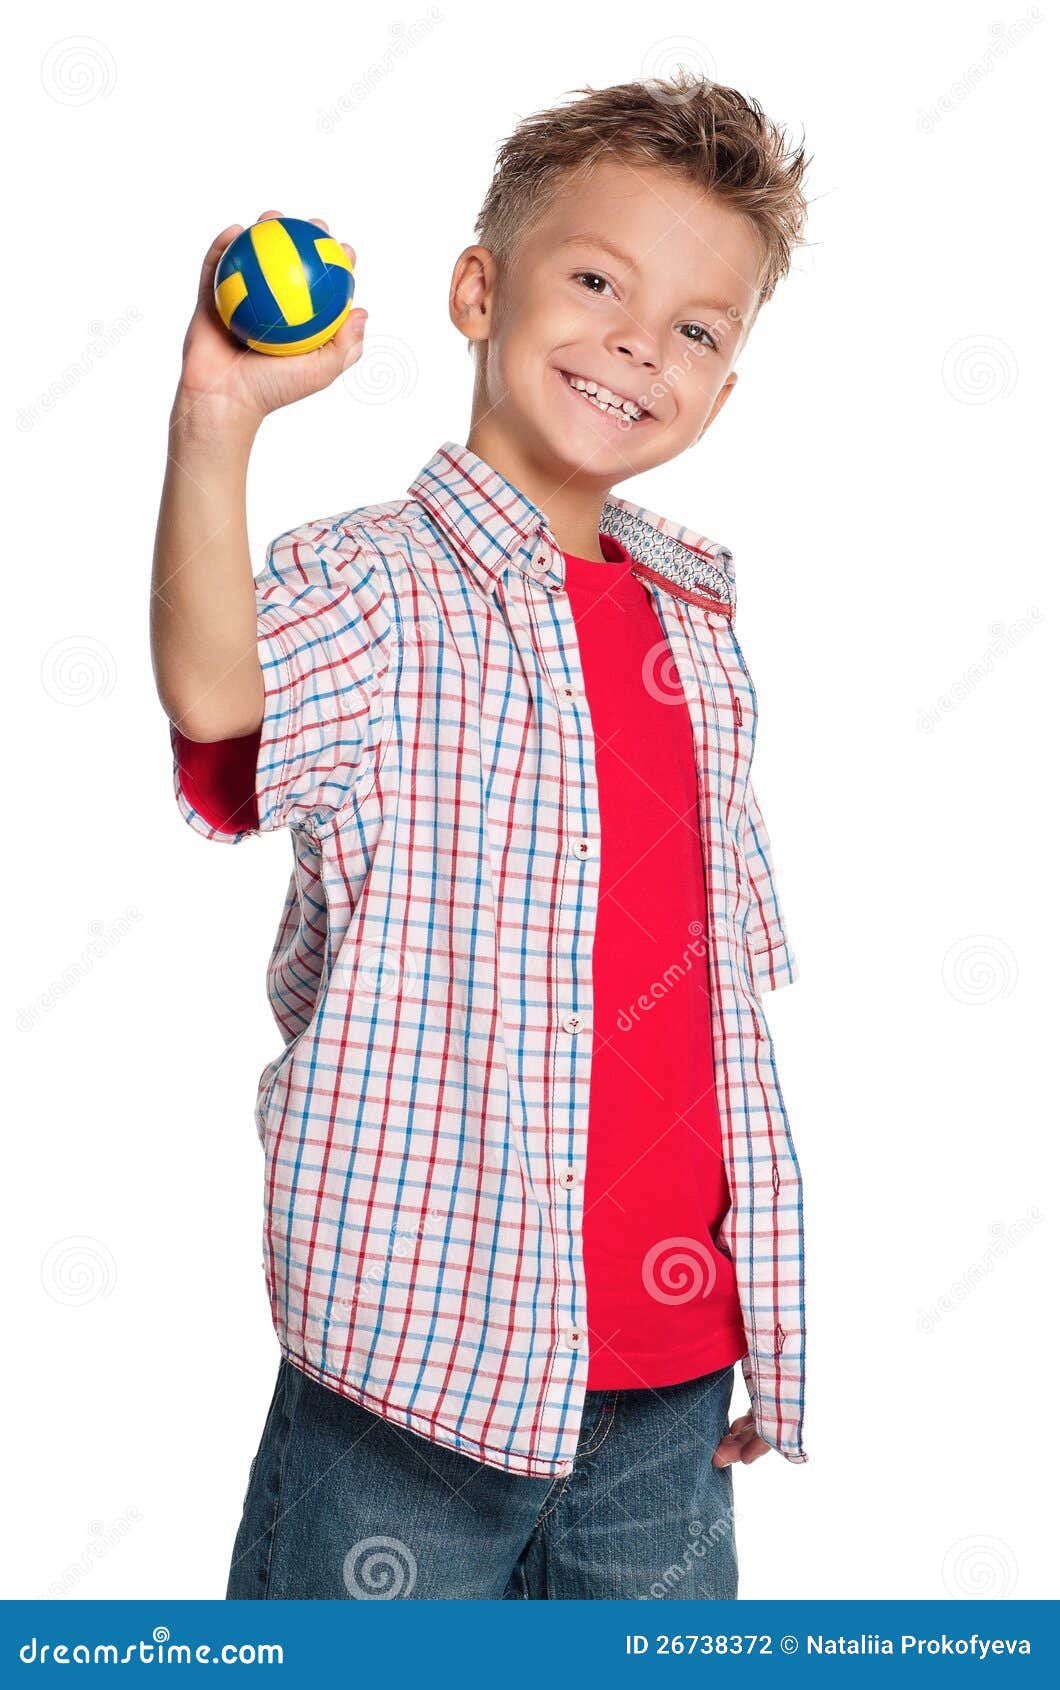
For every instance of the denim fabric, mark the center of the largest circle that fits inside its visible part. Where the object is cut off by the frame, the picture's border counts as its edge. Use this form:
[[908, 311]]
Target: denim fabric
[[344, 1504]]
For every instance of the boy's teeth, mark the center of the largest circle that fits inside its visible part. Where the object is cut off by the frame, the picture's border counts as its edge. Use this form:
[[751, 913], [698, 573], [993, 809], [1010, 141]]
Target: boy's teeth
[[603, 397]]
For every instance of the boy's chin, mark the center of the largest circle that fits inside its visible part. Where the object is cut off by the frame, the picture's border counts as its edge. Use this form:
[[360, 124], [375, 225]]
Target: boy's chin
[[582, 451]]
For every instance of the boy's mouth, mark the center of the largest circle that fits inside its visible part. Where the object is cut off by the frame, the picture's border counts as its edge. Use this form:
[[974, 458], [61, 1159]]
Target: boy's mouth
[[605, 401]]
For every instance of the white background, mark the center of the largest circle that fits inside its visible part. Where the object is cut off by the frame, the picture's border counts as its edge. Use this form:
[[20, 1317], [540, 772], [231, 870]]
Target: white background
[[881, 476]]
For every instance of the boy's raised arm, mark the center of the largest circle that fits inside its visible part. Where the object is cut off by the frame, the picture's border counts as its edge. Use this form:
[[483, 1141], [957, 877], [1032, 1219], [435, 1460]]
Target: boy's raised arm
[[203, 610]]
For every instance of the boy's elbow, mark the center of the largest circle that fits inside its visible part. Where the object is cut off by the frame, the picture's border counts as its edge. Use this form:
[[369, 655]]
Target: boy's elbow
[[206, 726], [208, 713]]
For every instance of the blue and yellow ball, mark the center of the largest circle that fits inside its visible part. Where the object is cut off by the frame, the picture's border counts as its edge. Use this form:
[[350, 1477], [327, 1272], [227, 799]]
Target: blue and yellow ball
[[283, 286]]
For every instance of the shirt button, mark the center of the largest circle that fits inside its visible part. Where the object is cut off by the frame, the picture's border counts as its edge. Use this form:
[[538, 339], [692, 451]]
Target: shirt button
[[541, 562], [570, 692], [568, 1177], [574, 1336], [574, 1023], [581, 848]]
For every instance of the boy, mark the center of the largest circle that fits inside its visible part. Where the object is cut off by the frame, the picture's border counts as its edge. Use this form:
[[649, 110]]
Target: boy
[[530, 1190]]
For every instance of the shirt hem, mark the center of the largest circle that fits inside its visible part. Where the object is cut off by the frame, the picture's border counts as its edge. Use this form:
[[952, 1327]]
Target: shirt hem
[[491, 1455]]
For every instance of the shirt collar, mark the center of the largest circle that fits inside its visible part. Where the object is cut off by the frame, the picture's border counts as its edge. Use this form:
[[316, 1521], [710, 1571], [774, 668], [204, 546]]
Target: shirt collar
[[492, 526]]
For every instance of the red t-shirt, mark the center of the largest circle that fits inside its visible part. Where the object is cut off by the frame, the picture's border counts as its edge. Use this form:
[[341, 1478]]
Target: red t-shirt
[[662, 1300], [661, 1294]]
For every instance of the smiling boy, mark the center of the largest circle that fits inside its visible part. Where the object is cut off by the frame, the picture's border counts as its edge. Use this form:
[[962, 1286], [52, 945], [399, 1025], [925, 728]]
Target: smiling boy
[[530, 1187]]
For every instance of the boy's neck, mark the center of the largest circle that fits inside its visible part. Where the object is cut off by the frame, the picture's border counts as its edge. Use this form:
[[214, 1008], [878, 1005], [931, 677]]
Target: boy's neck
[[573, 512]]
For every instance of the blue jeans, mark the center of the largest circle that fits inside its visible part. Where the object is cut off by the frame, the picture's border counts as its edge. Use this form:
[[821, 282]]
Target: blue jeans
[[342, 1503]]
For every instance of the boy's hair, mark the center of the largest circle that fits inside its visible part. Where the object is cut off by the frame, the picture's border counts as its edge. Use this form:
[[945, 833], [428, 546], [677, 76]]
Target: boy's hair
[[713, 136]]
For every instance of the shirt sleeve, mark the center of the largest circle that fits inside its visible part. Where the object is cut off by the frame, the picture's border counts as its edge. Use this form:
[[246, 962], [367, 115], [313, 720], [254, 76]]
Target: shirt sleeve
[[772, 961], [323, 643]]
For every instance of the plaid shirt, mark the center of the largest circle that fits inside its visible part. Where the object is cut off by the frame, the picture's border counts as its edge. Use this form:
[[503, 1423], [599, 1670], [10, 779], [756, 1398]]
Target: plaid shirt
[[428, 743]]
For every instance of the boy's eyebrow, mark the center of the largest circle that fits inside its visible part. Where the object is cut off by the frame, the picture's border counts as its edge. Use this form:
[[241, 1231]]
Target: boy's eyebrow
[[602, 241]]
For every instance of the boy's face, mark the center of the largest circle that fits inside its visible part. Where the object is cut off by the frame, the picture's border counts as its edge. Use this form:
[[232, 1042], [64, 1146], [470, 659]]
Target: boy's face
[[658, 322]]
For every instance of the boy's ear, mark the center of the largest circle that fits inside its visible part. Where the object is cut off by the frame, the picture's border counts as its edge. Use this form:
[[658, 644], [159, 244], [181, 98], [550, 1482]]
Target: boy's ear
[[471, 292], [727, 386]]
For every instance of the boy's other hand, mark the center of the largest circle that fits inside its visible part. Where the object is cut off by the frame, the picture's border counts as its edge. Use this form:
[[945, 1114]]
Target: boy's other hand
[[740, 1443], [222, 382]]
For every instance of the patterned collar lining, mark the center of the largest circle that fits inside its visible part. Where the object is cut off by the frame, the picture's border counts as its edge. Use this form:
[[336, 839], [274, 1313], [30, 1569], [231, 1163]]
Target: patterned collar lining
[[492, 525]]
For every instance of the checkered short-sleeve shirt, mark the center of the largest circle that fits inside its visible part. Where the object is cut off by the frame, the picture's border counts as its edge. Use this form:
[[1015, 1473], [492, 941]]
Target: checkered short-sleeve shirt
[[427, 744]]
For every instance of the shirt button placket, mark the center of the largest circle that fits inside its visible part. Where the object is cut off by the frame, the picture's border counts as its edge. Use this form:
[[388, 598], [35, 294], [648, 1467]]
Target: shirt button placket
[[572, 1022]]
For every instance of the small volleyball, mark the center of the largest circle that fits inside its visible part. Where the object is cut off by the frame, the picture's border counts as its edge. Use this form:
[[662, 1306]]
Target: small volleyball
[[283, 286]]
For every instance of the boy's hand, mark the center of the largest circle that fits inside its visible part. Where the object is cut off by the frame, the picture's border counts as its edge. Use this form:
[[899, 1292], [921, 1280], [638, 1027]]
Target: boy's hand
[[220, 380], [740, 1443]]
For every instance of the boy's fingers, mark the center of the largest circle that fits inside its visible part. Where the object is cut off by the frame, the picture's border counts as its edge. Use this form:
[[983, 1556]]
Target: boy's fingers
[[738, 1442], [754, 1449], [347, 344]]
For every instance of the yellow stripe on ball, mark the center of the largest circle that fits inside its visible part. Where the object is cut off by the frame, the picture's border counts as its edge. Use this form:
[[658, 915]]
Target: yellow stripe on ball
[[281, 267], [332, 253], [230, 294]]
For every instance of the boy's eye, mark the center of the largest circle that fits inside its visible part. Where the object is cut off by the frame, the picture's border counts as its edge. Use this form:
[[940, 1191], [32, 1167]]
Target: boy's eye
[[593, 276], [707, 339]]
